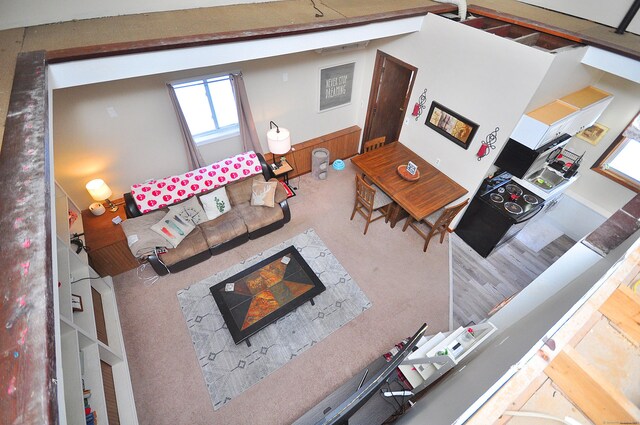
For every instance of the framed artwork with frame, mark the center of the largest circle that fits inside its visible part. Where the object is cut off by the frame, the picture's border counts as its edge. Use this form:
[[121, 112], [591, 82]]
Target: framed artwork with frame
[[336, 86], [76, 303], [451, 125], [593, 134]]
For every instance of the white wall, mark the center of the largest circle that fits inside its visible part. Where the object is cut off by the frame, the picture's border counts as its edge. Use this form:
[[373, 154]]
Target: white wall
[[485, 78], [566, 75], [36, 12], [593, 10], [593, 189], [143, 141]]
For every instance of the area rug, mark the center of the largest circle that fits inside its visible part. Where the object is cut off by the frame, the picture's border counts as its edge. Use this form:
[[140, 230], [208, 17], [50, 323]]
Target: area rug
[[230, 369]]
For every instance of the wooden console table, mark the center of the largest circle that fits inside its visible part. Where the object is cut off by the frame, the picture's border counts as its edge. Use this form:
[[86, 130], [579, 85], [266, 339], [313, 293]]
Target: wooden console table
[[107, 247]]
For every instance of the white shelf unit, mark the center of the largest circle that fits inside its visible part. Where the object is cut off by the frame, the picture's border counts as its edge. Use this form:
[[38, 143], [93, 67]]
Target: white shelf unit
[[81, 350], [439, 353]]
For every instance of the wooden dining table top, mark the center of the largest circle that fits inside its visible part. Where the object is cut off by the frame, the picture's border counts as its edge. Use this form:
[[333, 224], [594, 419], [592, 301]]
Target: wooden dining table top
[[420, 198]]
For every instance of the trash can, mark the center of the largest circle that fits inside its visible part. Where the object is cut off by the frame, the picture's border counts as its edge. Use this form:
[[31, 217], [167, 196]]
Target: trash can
[[320, 163]]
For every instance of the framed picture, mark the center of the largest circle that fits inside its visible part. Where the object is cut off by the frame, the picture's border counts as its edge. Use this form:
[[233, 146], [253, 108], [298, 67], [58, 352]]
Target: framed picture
[[76, 302], [593, 134], [453, 126], [412, 168], [336, 86]]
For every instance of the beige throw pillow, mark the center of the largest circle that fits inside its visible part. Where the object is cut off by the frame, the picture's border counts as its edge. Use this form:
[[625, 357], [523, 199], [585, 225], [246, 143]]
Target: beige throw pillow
[[189, 210], [173, 228], [263, 193], [215, 203]]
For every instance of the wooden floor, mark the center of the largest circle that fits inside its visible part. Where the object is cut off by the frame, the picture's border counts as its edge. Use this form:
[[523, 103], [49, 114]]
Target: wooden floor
[[479, 284]]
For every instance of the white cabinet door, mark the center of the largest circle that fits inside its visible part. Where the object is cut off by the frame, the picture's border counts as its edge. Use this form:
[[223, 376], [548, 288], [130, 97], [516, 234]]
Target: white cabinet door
[[544, 124], [587, 116], [591, 101]]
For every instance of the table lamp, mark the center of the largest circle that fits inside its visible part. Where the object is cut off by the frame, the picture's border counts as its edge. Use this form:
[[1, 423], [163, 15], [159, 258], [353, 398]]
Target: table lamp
[[99, 191], [279, 140]]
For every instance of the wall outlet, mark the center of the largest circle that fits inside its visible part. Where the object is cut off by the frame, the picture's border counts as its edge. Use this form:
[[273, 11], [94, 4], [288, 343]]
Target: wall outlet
[[437, 162]]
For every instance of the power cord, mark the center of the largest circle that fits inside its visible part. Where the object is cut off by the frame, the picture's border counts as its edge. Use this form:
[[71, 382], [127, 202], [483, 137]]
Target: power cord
[[398, 405], [320, 14], [84, 278]]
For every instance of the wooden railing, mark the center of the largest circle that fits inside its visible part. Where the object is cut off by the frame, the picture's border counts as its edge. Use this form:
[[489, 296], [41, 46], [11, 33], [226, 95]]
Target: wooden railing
[[27, 335]]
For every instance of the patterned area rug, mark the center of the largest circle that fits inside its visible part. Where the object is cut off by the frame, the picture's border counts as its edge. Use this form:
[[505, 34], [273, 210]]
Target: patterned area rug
[[230, 369]]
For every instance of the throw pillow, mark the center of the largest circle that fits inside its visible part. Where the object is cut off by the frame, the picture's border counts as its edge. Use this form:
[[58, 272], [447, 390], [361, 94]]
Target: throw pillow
[[263, 193], [215, 203], [189, 210], [173, 228]]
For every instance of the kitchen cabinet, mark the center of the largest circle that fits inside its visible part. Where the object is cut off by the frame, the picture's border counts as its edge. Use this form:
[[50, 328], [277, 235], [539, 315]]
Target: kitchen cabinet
[[544, 124], [591, 102], [91, 362]]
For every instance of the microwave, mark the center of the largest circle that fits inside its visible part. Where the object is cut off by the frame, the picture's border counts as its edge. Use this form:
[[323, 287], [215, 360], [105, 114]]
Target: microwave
[[520, 160]]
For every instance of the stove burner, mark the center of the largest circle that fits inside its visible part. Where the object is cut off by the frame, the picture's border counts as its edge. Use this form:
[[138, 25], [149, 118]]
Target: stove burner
[[530, 199], [514, 190], [513, 208], [496, 198]]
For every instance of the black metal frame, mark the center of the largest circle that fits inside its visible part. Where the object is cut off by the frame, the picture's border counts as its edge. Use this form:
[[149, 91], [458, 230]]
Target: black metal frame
[[239, 335], [474, 126]]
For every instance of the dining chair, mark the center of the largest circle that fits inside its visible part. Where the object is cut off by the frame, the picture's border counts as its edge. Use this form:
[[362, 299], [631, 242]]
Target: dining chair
[[372, 144], [369, 199], [436, 224]]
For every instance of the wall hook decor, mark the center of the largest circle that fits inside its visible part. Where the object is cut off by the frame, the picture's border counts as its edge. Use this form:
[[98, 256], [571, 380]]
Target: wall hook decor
[[488, 143], [420, 105]]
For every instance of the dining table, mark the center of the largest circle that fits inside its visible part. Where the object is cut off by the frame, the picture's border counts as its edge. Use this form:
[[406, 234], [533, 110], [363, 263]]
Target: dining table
[[418, 196]]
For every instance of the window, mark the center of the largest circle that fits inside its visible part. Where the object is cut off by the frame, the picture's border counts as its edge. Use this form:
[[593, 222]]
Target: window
[[620, 161], [209, 107]]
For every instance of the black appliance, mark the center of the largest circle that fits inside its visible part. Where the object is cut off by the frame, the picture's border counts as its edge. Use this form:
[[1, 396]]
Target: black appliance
[[498, 211], [521, 161]]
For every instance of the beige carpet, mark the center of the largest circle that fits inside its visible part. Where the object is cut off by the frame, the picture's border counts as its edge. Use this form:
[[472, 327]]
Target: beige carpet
[[406, 287]]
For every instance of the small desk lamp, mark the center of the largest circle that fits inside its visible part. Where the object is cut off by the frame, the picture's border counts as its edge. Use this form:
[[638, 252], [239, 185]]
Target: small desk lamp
[[99, 191], [279, 140]]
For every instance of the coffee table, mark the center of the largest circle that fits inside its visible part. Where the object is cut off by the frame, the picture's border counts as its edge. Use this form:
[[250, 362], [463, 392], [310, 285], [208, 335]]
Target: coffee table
[[266, 291]]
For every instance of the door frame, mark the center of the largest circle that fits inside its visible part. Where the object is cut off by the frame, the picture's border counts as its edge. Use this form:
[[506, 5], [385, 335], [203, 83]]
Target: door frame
[[375, 88]]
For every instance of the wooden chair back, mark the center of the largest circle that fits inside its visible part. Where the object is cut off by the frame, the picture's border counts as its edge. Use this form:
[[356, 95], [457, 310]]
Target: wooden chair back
[[447, 216], [365, 194], [372, 144], [365, 203], [439, 227]]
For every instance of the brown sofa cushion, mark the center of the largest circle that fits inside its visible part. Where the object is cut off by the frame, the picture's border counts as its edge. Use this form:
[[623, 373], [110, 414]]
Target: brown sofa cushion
[[224, 228], [141, 239], [281, 193], [257, 217], [240, 192], [193, 244]]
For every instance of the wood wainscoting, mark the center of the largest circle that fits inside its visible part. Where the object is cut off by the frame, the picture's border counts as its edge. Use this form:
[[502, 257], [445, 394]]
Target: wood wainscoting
[[341, 144]]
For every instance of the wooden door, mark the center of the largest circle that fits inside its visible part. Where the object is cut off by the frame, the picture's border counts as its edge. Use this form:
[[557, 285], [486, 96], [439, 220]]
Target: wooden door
[[390, 90]]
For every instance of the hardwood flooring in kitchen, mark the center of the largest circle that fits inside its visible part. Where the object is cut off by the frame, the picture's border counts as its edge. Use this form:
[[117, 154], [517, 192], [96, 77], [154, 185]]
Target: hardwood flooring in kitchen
[[479, 284]]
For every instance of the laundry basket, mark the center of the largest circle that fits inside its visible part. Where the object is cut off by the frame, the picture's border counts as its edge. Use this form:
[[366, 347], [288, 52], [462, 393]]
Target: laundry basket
[[320, 163]]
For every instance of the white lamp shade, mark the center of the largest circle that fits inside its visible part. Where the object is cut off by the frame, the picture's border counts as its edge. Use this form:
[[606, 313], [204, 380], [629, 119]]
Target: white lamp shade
[[98, 190], [279, 142]]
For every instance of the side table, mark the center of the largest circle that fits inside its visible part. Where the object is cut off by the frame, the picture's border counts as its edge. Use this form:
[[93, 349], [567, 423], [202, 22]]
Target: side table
[[283, 171], [106, 243]]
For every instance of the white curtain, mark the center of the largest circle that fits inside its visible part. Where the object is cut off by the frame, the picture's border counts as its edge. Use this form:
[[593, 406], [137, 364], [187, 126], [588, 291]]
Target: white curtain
[[194, 157], [248, 133]]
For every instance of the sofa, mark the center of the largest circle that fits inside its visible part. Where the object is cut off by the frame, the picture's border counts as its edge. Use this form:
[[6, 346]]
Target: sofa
[[247, 216]]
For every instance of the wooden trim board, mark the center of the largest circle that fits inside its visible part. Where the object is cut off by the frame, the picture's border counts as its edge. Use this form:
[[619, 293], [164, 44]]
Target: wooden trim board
[[590, 390], [623, 311]]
